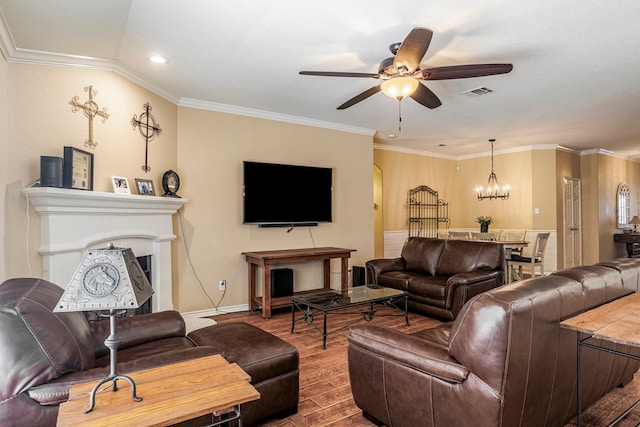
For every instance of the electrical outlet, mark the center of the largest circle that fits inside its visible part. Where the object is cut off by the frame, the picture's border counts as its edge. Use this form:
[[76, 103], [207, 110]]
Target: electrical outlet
[[222, 285]]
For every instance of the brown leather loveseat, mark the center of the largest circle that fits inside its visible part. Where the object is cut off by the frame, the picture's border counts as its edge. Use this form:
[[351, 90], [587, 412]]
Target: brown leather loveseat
[[504, 361], [42, 353], [441, 275]]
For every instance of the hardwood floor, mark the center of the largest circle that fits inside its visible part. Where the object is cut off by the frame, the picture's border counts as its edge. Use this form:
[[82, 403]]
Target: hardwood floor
[[325, 394]]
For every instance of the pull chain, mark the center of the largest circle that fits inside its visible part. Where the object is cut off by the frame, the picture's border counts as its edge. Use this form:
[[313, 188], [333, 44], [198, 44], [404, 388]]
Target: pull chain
[[399, 114]]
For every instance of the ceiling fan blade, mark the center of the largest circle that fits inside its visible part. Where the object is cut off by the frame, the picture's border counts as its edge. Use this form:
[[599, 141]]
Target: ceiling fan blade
[[338, 74], [424, 96], [412, 49], [360, 97], [465, 71]]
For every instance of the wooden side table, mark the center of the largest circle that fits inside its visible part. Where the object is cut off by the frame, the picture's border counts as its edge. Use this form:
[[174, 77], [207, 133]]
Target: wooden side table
[[616, 322], [170, 394]]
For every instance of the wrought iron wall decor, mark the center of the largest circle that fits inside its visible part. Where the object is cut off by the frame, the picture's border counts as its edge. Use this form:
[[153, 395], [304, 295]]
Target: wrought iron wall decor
[[149, 129], [90, 110]]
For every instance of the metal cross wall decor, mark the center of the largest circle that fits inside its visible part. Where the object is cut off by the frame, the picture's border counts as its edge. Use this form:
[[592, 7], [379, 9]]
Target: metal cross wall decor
[[90, 110], [148, 131]]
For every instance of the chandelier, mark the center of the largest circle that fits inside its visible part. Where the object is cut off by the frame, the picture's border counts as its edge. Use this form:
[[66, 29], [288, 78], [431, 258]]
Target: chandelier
[[493, 190]]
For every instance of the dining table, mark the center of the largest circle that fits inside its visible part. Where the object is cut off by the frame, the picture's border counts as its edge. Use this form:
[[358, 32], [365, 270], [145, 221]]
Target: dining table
[[509, 246]]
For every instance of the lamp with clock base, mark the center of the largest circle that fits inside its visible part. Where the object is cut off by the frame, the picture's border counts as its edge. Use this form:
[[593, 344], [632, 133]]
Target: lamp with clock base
[[108, 279]]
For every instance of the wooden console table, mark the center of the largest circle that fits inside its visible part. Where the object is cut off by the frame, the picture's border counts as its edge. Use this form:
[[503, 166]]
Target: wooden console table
[[632, 240], [170, 394], [266, 259], [615, 322]]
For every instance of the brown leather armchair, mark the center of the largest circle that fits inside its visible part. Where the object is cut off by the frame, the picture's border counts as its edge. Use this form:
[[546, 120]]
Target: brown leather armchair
[[504, 361], [42, 353], [441, 275]]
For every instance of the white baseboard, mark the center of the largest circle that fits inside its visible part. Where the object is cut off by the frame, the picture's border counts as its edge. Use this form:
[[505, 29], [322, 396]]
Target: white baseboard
[[214, 312]]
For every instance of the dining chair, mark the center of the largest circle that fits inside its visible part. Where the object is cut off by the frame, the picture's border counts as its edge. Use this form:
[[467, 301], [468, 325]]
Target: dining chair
[[513, 236], [535, 260], [458, 235], [443, 234], [483, 236]]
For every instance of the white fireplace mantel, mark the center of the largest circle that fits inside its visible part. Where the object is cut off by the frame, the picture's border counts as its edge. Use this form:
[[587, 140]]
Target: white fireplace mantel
[[73, 221]]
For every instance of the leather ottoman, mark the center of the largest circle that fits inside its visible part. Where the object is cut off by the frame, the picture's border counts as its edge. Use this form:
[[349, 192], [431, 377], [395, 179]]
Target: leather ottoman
[[271, 362]]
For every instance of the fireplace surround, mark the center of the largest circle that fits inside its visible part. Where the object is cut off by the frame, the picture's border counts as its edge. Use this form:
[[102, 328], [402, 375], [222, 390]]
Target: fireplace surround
[[74, 221]]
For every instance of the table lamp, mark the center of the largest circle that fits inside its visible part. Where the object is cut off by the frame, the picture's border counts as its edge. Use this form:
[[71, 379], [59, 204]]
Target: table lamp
[[107, 279], [635, 221]]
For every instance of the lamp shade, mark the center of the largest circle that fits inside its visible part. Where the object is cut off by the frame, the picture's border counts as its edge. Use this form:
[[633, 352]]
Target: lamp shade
[[635, 220], [107, 279], [399, 87]]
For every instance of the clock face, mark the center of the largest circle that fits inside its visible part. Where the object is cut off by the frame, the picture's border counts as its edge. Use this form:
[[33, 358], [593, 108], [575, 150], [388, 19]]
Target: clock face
[[170, 183]]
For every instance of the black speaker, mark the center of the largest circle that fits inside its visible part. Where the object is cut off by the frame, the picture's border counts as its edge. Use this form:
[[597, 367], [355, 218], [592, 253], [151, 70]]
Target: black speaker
[[281, 282], [358, 276], [50, 171]]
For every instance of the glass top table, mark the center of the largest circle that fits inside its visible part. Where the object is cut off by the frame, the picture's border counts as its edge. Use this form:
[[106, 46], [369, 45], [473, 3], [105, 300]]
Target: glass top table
[[328, 300]]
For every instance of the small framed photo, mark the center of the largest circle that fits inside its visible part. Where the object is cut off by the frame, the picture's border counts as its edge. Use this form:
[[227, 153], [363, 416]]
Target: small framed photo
[[120, 185], [77, 169], [145, 187]]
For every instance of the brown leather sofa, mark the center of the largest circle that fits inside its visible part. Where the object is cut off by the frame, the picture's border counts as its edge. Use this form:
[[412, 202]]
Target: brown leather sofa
[[441, 275], [504, 361], [42, 353]]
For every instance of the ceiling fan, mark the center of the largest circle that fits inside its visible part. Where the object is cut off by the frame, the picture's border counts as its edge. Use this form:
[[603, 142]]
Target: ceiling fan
[[400, 73]]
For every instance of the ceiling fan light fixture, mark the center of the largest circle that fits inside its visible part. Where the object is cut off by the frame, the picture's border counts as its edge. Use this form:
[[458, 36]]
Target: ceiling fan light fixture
[[399, 87]]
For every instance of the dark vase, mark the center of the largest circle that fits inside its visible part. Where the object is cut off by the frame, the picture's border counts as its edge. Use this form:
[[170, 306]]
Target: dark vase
[[484, 227]]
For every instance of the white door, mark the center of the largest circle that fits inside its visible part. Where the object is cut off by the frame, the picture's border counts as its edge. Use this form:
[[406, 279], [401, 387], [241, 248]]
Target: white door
[[572, 223]]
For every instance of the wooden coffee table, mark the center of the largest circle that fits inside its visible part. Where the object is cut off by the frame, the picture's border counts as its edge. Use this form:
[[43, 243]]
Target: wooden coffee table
[[170, 394]]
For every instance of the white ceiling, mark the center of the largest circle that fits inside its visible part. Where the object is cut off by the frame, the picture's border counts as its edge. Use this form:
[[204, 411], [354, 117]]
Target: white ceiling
[[575, 79]]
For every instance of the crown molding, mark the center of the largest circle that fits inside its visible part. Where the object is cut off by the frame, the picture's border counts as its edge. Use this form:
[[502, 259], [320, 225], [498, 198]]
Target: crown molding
[[386, 147], [268, 115]]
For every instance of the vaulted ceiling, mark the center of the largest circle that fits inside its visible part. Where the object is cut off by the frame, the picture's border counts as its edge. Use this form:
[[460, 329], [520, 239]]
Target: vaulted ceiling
[[574, 81]]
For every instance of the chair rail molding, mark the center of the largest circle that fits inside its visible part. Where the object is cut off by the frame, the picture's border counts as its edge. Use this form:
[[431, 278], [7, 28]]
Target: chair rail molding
[[74, 221]]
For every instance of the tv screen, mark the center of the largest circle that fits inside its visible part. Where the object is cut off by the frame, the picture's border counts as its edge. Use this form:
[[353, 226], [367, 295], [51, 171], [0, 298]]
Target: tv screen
[[276, 194]]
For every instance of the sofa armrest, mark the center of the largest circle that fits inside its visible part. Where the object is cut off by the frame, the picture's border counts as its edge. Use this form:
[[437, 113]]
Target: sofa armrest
[[464, 286], [471, 277], [416, 353], [57, 391], [375, 267], [136, 330]]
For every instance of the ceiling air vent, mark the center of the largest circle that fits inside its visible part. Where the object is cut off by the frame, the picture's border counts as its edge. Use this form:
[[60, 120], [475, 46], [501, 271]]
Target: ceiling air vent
[[479, 91]]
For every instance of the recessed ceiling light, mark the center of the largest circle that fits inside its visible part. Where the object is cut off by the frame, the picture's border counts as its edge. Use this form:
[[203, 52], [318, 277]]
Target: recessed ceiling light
[[391, 135], [158, 59]]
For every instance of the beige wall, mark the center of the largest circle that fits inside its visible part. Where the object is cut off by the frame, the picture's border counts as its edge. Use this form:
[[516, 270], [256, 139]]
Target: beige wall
[[40, 122], [206, 148], [605, 173], [4, 163], [210, 154], [455, 181], [535, 178]]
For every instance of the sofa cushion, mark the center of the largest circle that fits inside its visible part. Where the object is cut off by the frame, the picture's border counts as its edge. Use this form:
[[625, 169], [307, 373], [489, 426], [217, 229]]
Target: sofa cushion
[[432, 287], [37, 345], [397, 279], [421, 255], [461, 256]]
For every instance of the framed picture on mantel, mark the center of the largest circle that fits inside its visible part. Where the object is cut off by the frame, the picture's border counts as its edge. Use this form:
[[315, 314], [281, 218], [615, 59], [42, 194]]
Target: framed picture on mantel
[[77, 169]]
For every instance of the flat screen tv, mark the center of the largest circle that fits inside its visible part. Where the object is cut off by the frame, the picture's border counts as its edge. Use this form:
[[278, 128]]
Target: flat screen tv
[[286, 195]]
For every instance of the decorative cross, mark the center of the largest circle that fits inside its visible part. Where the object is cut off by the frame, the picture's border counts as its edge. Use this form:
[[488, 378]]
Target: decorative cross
[[148, 131], [90, 109]]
